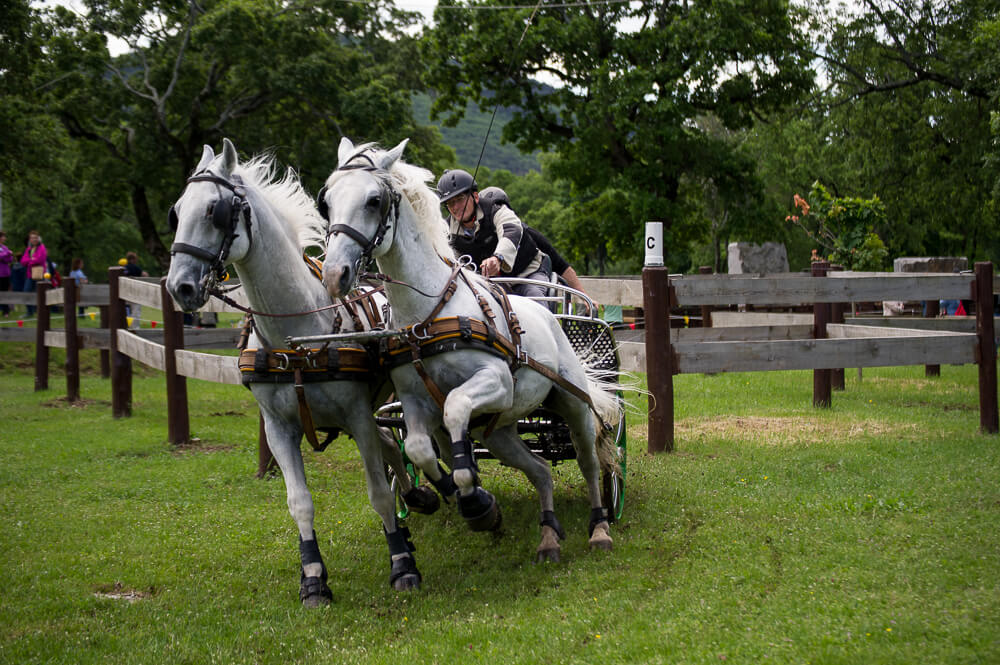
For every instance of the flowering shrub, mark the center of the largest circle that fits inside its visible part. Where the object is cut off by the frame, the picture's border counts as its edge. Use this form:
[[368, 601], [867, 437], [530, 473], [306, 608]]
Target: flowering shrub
[[844, 228]]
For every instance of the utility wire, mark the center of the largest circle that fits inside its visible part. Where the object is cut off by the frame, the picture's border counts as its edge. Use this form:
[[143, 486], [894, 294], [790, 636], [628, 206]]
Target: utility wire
[[510, 69], [555, 5]]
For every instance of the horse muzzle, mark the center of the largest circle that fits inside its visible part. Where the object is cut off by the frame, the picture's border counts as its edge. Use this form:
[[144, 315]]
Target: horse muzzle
[[187, 288], [338, 279]]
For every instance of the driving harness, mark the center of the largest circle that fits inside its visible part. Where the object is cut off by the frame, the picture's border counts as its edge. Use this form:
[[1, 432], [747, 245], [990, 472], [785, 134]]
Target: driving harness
[[315, 365], [439, 335]]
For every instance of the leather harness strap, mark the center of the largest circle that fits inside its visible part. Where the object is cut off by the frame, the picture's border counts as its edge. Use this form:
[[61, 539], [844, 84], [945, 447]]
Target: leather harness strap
[[432, 332]]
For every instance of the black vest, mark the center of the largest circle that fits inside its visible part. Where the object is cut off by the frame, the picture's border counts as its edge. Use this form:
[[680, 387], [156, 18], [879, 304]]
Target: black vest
[[484, 244]]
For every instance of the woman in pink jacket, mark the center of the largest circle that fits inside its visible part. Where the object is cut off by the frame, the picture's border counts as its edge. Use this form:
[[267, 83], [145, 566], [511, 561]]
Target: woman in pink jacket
[[34, 255]]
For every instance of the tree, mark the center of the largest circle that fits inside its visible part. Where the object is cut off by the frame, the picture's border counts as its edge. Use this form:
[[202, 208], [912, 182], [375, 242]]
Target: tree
[[271, 75], [906, 115], [631, 79]]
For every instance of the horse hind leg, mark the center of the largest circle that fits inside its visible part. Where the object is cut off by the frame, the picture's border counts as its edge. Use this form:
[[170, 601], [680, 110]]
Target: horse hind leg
[[507, 447], [418, 498], [584, 433]]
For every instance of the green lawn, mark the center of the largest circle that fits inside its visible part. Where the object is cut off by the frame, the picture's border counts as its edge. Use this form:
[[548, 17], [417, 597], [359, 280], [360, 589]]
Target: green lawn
[[776, 532]]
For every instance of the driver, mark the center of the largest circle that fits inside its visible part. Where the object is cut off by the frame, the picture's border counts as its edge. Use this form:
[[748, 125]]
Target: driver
[[491, 234]]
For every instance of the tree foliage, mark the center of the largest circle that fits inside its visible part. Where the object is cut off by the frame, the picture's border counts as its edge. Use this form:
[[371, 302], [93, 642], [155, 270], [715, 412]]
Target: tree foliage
[[287, 77], [632, 81]]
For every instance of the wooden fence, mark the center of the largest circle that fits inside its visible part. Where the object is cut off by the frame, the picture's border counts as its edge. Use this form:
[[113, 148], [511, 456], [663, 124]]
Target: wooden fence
[[824, 344]]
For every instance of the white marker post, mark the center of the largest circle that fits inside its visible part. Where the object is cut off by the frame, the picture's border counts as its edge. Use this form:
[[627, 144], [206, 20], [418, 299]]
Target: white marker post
[[659, 353], [654, 244]]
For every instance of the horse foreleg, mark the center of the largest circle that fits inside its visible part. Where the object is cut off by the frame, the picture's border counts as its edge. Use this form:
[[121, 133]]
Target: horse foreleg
[[489, 390], [283, 439], [403, 574]]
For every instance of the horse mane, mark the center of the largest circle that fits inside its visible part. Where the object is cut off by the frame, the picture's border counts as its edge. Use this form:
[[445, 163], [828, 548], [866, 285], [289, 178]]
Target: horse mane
[[289, 199], [411, 181]]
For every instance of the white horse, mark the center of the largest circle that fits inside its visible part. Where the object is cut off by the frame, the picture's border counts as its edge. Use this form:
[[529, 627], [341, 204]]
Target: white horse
[[240, 213], [378, 206]]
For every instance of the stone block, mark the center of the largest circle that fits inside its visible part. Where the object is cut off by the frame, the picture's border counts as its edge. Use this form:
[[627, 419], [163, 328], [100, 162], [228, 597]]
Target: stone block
[[750, 258], [949, 264]]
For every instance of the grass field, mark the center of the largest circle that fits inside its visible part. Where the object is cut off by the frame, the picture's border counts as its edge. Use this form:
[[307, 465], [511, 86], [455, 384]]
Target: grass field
[[776, 532]]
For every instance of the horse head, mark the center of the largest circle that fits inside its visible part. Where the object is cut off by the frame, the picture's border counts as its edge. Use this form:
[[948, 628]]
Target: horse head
[[211, 221], [361, 207]]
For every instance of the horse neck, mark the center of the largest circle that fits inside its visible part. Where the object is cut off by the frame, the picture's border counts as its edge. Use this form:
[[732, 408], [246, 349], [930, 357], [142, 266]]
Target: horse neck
[[412, 259], [276, 280]]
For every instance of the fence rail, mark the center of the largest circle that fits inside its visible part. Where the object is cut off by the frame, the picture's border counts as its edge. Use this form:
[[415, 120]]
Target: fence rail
[[735, 341]]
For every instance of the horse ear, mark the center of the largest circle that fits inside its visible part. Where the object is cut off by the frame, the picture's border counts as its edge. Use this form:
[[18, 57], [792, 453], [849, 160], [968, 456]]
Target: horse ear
[[229, 157], [345, 151], [389, 158], [207, 155]]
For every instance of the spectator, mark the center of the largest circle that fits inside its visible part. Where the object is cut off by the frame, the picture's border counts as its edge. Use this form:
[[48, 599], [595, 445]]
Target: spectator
[[6, 259], [133, 269], [76, 274], [34, 260]]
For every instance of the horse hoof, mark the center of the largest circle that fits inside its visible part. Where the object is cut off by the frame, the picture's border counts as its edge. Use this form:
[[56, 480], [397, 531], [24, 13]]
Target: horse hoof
[[314, 593], [480, 510], [404, 575], [406, 583], [601, 539], [422, 500], [542, 556]]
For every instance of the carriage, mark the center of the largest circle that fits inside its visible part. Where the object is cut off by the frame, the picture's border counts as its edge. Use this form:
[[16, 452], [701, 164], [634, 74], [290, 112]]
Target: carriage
[[544, 431]]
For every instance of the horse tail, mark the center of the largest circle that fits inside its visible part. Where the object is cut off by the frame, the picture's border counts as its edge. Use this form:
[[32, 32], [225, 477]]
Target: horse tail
[[604, 390]]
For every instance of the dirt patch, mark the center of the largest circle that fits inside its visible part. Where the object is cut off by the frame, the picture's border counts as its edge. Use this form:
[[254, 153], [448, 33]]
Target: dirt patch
[[196, 445], [117, 591], [62, 403], [772, 431]]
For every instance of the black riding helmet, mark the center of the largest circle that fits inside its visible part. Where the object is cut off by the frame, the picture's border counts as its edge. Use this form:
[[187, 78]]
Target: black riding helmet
[[455, 182]]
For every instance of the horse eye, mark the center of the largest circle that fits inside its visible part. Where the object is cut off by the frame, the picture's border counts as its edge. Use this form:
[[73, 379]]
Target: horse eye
[[374, 201]]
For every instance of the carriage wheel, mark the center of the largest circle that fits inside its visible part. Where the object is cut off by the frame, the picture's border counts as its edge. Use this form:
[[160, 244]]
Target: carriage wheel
[[613, 482], [399, 434]]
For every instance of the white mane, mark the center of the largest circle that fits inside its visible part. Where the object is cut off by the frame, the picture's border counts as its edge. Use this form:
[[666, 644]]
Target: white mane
[[411, 181], [288, 198]]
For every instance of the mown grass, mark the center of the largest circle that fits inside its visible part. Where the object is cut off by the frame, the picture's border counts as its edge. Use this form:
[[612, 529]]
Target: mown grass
[[863, 533]]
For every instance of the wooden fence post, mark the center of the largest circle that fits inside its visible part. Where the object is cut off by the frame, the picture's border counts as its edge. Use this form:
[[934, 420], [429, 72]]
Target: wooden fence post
[[72, 342], [989, 420], [121, 365], [837, 316], [821, 317], [178, 422], [41, 325], [105, 353], [706, 310], [659, 358], [931, 311]]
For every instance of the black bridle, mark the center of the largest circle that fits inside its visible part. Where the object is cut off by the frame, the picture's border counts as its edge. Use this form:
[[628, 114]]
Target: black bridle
[[225, 214], [388, 202]]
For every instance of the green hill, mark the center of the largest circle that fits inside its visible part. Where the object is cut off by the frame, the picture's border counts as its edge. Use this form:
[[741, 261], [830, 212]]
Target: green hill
[[467, 138]]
